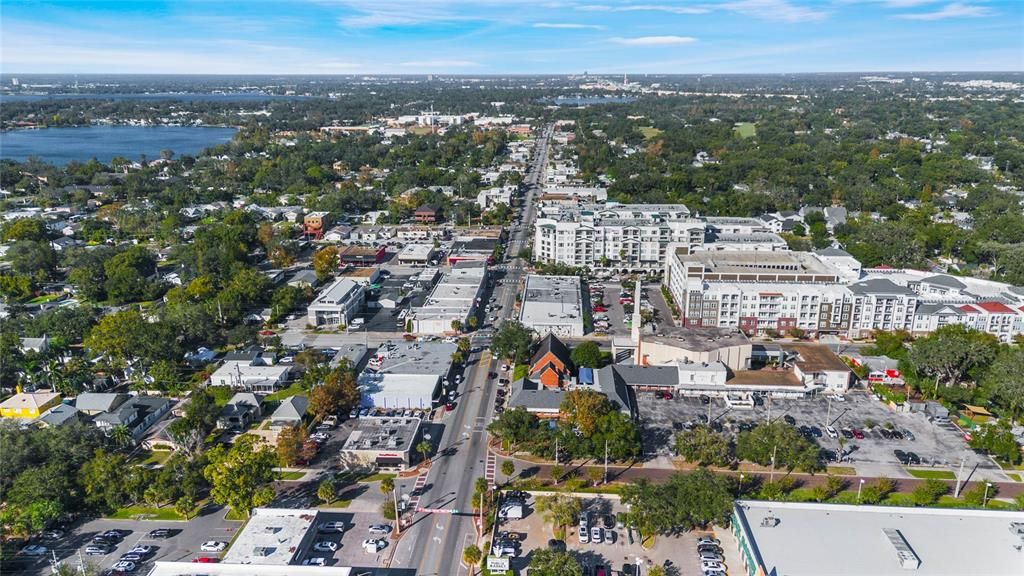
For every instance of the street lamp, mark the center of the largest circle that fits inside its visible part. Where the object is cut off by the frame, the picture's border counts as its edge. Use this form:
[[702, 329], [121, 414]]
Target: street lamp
[[741, 483], [859, 487], [984, 500]]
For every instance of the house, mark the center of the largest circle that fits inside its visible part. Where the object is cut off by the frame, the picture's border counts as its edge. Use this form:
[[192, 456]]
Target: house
[[337, 304], [200, 356], [551, 365], [291, 412], [37, 345], [315, 223], [93, 403], [303, 279], [338, 233], [536, 398], [241, 411], [250, 370], [59, 415], [28, 405], [137, 415], [428, 213]]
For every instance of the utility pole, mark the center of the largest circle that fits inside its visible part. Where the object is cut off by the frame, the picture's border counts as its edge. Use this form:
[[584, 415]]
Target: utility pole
[[828, 417], [556, 450], [398, 516], [769, 420], [605, 462], [771, 478], [959, 477], [984, 500]]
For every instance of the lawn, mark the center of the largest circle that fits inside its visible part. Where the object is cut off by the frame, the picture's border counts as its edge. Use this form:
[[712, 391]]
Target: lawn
[[842, 470], [336, 504], [283, 393], [235, 515], [376, 477], [148, 512], [1014, 477], [44, 298], [745, 129], [649, 132], [937, 474], [291, 475], [520, 371], [157, 457]]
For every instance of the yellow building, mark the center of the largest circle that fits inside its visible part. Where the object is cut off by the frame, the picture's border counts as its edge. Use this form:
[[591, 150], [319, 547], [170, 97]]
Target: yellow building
[[23, 405]]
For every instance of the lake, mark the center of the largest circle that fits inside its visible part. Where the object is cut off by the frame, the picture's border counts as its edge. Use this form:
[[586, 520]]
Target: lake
[[62, 145]]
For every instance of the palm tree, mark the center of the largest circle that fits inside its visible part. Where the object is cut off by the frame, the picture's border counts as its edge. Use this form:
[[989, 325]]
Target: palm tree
[[121, 435], [424, 448], [387, 485]]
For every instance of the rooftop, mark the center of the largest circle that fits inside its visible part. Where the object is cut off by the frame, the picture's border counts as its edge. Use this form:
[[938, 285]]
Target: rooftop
[[433, 358], [816, 357], [835, 539], [271, 536], [743, 262], [338, 291], [699, 339], [372, 433], [162, 568], [551, 299]]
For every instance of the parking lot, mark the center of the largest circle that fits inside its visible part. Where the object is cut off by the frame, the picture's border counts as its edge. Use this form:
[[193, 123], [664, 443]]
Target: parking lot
[[936, 444], [350, 551], [621, 553], [611, 291], [183, 544]]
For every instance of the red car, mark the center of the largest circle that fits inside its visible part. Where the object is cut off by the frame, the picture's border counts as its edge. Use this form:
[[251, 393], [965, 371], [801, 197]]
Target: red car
[[449, 406], [206, 560], [858, 434], [600, 309], [665, 395]]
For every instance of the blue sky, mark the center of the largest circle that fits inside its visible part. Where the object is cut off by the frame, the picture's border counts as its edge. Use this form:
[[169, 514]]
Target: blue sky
[[509, 36]]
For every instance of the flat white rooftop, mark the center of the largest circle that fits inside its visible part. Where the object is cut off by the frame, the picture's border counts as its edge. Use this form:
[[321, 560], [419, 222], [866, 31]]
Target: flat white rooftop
[[193, 569], [272, 536], [551, 300], [847, 540]]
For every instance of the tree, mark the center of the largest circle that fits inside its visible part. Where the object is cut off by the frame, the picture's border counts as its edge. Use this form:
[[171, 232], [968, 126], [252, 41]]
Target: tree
[[704, 446], [471, 555], [515, 426], [583, 409], [472, 321], [508, 468], [325, 492], [387, 485], [976, 496], [656, 571], [559, 510], [25, 229], [36, 260], [586, 355], [289, 444], [457, 357], [833, 485], [338, 393], [513, 341], [877, 491], [424, 448], [548, 562], [186, 506], [929, 492], [126, 336], [997, 439], [1005, 380], [102, 478], [127, 275], [240, 476], [325, 263], [790, 449], [121, 436], [457, 325], [950, 352]]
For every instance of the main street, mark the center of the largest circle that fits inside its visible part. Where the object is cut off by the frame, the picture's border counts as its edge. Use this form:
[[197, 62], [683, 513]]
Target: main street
[[434, 542]]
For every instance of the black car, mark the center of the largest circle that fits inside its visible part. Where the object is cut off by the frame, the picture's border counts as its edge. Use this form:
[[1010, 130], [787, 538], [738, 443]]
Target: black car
[[896, 434], [160, 533], [705, 399], [913, 458], [815, 431], [900, 455], [789, 420], [847, 433], [885, 433]]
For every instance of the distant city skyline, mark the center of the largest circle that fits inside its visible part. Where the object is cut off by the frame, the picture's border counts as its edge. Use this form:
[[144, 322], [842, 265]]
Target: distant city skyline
[[510, 36]]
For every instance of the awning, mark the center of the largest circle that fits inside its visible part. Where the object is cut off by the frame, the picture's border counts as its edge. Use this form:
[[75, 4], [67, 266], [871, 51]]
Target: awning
[[388, 461], [586, 375]]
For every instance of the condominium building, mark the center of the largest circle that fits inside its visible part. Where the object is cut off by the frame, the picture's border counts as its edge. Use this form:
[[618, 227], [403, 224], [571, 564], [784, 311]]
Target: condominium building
[[621, 237], [881, 304], [758, 291]]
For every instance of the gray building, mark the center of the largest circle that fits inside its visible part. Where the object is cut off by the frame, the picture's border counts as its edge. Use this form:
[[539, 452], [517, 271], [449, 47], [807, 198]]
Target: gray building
[[337, 304]]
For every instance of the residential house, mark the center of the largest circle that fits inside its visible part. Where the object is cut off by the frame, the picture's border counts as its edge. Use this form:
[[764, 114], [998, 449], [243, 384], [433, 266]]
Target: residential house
[[137, 415], [303, 279], [291, 412], [428, 213], [29, 405], [93, 403], [551, 365], [59, 415], [241, 411], [37, 345]]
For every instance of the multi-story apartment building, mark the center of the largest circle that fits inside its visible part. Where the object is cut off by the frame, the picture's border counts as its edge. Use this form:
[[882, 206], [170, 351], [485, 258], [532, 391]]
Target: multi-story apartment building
[[881, 304], [620, 237], [758, 291]]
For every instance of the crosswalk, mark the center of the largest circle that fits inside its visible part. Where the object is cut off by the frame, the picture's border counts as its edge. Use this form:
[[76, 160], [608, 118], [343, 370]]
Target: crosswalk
[[491, 468], [417, 490]]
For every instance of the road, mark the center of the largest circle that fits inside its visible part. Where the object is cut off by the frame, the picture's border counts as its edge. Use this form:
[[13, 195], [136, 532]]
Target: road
[[434, 542]]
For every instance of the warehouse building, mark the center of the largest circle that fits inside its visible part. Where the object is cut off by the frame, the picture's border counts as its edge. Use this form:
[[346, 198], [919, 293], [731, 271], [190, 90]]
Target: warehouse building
[[452, 300]]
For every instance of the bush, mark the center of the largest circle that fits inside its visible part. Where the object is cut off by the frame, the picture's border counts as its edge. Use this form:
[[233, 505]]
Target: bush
[[877, 491], [387, 508], [929, 492]]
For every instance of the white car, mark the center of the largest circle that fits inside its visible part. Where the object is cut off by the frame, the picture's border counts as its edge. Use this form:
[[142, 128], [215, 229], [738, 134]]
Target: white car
[[141, 550], [584, 535], [213, 546], [325, 546], [319, 436], [706, 565], [34, 550], [708, 540], [372, 545], [314, 562], [380, 529], [125, 566], [832, 433]]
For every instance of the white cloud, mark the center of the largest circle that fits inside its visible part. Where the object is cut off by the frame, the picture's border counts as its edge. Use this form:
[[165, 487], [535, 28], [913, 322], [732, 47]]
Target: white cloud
[[567, 26], [776, 10], [663, 8], [655, 41], [954, 10]]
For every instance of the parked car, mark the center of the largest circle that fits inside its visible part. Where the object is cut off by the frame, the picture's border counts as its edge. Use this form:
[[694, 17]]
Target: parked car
[[380, 529], [609, 535], [125, 566], [213, 546], [131, 557], [831, 432], [206, 560], [556, 545], [141, 549], [34, 550], [325, 546], [908, 434], [314, 562], [53, 534], [160, 533], [789, 419], [596, 535], [98, 550], [331, 527], [584, 535], [708, 540], [858, 434], [373, 545], [847, 433]]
